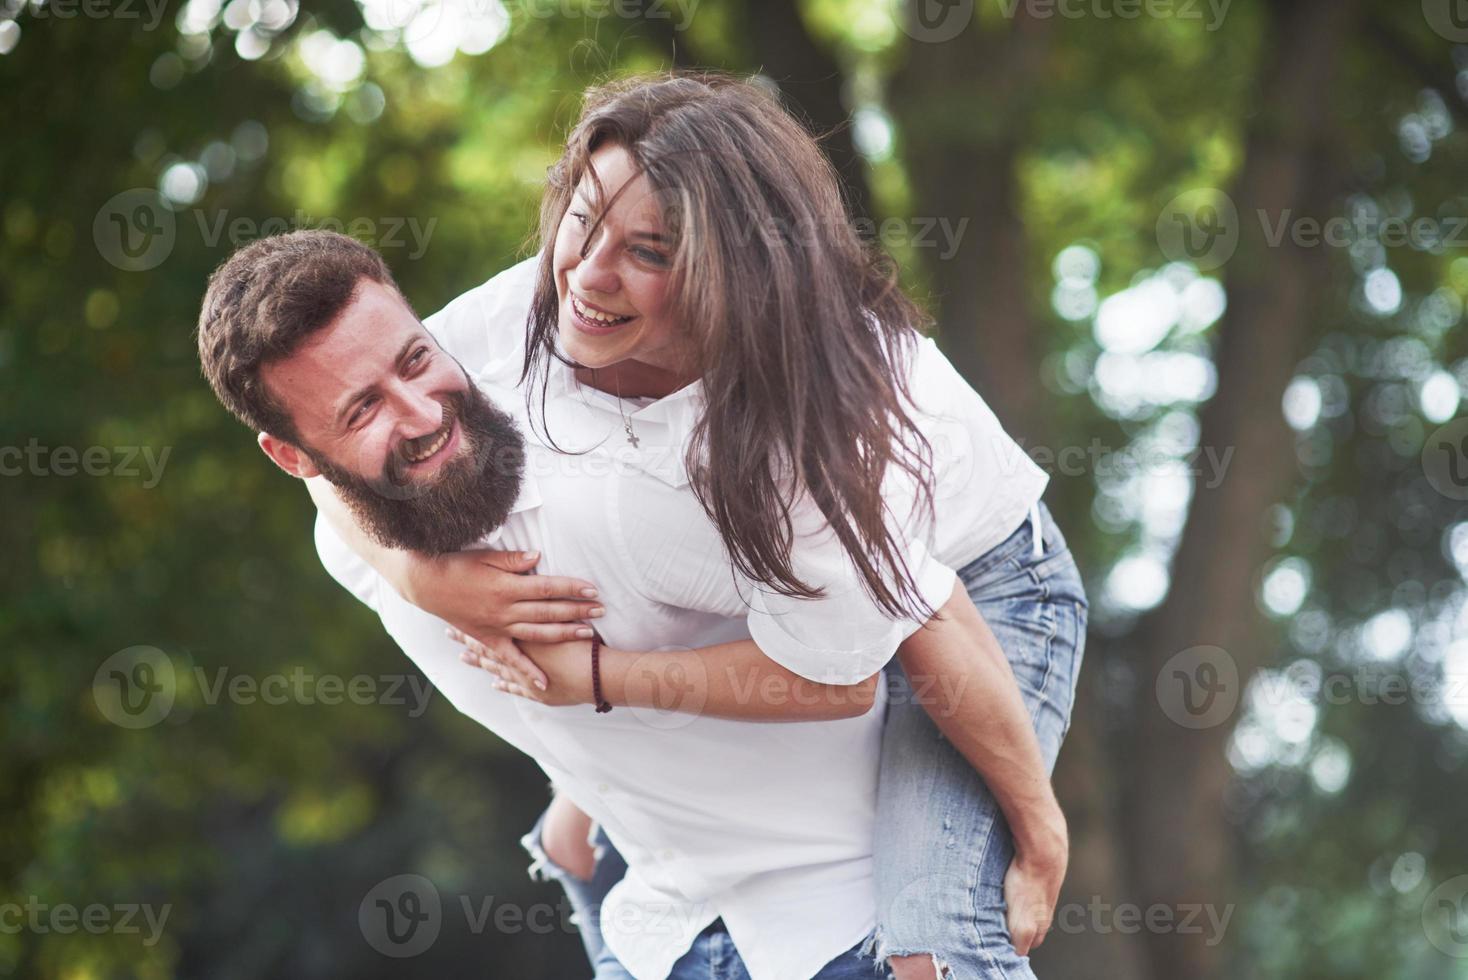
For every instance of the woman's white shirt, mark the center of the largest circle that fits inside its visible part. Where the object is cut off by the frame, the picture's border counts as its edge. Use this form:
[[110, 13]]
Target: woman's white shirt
[[985, 486]]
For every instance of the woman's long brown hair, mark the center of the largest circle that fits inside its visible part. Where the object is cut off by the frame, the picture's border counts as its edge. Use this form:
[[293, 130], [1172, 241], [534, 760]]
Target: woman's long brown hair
[[798, 328]]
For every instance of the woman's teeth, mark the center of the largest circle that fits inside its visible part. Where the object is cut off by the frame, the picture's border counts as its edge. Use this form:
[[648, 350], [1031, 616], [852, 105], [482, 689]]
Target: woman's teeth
[[595, 315], [433, 447]]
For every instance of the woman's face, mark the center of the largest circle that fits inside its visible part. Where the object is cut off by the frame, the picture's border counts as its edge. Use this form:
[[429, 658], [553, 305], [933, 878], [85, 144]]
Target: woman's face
[[612, 301]]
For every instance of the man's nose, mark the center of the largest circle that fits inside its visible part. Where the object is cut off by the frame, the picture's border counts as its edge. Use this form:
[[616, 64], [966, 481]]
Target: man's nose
[[421, 413]]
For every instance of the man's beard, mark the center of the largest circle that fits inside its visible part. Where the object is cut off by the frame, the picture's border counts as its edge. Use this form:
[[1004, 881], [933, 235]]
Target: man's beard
[[471, 494]]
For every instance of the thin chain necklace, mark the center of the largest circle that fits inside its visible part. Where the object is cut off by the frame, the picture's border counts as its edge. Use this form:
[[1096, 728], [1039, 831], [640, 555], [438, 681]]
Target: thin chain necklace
[[626, 422]]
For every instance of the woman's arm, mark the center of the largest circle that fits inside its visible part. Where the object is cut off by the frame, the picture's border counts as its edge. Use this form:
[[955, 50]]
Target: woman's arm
[[982, 713], [734, 681], [487, 594], [979, 709]]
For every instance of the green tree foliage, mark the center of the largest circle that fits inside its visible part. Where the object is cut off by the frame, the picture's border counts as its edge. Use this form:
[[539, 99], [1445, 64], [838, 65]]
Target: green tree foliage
[[1028, 168]]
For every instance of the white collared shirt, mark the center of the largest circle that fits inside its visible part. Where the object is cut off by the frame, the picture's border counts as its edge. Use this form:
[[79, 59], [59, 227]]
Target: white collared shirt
[[768, 826], [985, 485]]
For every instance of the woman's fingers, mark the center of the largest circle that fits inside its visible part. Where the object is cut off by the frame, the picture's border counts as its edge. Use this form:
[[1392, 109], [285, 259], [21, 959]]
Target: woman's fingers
[[516, 660], [555, 611], [512, 670], [549, 633], [532, 588]]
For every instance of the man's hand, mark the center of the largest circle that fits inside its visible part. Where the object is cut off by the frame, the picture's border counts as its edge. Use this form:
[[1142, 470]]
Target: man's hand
[[489, 594]]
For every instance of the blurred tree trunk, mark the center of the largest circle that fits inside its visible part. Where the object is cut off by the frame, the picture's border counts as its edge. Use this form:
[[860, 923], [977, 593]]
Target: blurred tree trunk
[[810, 77], [1179, 842], [778, 46], [963, 109], [964, 106]]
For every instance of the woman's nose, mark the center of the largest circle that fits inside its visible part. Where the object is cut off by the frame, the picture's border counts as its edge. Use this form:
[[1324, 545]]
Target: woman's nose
[[596, 273]]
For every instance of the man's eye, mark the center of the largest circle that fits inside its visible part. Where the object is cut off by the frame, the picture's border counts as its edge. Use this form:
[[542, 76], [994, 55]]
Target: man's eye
[[361, 410], [418, 357]]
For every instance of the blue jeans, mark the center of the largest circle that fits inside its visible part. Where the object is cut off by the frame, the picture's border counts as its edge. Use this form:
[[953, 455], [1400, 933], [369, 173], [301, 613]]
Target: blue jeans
[[942, 847], [713, 957]]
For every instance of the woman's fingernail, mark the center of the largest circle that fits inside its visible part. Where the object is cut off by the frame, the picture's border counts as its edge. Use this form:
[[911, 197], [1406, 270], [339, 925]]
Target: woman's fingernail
[[598, 611], [540, 683], [531, 555], [584, 633], [590, 593]]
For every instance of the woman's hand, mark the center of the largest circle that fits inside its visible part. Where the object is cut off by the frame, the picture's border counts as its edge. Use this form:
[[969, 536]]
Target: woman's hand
[[1032, 887], [488, 595], [564, 667]]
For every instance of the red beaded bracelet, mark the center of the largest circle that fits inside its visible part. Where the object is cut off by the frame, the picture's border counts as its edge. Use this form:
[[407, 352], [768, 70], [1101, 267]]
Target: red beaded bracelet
[[602, 704]]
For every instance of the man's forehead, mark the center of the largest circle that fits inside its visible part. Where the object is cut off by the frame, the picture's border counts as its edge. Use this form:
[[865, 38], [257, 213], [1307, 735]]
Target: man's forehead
[[356, 349]]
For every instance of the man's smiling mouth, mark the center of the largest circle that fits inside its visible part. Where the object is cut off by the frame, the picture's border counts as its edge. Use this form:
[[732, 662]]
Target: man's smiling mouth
[[423, 448]]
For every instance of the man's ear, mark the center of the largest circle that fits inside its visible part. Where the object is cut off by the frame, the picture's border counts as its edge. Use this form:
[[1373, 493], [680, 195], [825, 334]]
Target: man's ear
[[288, 457]]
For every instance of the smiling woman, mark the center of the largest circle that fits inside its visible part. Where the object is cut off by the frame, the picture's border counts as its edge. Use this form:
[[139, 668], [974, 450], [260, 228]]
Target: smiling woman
[[700, 210], [611, 266]]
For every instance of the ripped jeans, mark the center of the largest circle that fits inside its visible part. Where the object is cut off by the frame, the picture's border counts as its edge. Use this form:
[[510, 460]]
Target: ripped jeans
[[942, 847]]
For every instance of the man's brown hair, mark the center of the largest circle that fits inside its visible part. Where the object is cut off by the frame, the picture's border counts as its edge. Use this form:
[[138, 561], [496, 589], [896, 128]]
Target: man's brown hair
[[264, 301]]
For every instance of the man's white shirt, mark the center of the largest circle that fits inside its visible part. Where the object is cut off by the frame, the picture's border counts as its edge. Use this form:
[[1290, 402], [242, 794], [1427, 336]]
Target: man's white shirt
[[767, 825]]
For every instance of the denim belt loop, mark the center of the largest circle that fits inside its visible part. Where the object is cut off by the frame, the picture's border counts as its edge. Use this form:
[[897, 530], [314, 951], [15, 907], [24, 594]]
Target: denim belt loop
[[1037, 534]]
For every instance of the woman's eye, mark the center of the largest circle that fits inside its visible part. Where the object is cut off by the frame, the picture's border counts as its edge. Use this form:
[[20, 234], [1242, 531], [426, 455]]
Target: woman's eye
[[648, 255], [580, 217]]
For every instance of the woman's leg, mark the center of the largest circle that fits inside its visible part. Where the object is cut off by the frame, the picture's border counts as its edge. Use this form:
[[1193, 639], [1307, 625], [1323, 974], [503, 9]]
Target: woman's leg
[[942, 844], [586, 864]]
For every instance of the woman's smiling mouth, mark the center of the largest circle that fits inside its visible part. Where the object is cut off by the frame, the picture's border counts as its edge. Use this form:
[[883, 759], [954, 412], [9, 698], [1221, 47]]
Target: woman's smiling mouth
[[593, 320]]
